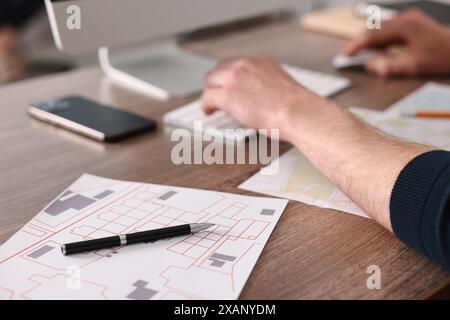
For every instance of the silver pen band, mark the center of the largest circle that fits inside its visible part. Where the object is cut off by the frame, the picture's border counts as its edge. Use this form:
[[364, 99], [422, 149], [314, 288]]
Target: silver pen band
[[123, 239]]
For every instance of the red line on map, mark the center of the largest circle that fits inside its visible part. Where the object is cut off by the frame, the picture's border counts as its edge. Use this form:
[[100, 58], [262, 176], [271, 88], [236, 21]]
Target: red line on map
[[56, 232]]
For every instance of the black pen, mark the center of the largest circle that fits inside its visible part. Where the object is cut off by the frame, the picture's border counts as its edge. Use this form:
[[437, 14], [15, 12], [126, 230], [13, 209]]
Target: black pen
[[132, 238]]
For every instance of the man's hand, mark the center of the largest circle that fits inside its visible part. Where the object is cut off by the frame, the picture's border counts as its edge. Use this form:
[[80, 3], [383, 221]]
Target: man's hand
[[258, 93], [361, 161], [424, 43]]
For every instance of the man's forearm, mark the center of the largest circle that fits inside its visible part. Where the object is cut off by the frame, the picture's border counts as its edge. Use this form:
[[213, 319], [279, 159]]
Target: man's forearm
[[363, 162], [401, 185]]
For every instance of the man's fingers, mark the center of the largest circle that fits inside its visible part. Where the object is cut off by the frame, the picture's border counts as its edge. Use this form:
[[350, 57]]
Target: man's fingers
[[217, 77], [392, 66], [355, 45], [390, 32], [220, 74], [213, 99]]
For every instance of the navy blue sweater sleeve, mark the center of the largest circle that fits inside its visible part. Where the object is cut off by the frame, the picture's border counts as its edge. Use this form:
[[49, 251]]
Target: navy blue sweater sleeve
[[420, 206]]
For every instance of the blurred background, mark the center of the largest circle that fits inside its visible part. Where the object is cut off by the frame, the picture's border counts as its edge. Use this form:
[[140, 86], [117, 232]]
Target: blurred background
[[27, 49], [26, 45]]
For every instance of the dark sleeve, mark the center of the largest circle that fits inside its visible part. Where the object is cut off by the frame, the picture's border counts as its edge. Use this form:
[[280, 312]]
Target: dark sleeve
[[16, 12], [420, 206]]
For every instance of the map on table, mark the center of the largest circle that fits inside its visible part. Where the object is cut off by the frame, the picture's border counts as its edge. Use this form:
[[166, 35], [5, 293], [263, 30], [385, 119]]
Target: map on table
[[212, 264], [431, 97], [299, 180]]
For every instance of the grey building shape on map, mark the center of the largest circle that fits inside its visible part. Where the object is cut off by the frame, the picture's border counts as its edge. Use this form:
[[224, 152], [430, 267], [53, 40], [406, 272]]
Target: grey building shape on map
[[267, 212], [40, 252], [219, 260], [167, 195], [104, 194], [141, 292], [217, 263], [77, 202]]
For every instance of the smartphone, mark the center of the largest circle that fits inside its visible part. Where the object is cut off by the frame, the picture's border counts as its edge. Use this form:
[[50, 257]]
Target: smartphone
[[91, 119]]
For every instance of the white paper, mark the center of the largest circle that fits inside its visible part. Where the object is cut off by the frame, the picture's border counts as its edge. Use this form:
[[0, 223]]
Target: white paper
[[299, 180], [212, 264]]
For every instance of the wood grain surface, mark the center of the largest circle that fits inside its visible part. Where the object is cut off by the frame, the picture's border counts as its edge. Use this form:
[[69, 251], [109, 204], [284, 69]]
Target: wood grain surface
[[313, 253]]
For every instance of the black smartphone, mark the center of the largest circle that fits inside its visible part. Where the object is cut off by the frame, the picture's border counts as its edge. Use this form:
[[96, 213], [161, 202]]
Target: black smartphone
[[91, 119]]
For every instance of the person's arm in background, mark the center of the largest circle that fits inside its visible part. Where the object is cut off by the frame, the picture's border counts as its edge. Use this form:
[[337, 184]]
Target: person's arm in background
[[12, 65], [424, 46], [363, 162], [13, 13]]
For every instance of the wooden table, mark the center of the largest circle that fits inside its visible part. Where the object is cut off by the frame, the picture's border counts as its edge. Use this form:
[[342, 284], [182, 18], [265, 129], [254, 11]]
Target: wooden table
[[313, 252]]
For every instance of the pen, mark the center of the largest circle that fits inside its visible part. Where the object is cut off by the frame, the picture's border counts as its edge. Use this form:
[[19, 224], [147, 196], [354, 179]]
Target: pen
[[429, 114], [132, 238]]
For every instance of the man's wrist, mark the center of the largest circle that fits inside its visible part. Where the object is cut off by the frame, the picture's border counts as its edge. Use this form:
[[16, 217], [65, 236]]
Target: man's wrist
[[311, 116]]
